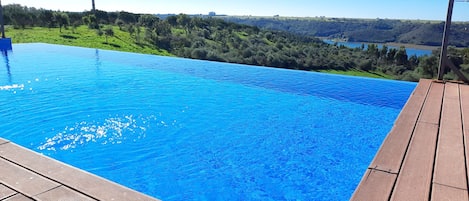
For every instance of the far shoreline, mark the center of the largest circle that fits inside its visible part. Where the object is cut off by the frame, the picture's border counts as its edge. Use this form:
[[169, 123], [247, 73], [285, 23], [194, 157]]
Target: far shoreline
[[413, 46], [393, 44]]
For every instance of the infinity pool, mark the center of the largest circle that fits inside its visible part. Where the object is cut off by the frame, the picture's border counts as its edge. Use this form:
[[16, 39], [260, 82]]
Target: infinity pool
[[180, 129]]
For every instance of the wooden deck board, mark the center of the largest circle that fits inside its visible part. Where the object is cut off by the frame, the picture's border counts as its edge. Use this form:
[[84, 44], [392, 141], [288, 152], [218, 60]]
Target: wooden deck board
[[441, 192], [432, 108], [382, 173], [464, 95], [62, 193], [391, 153], [6, 192], [19, 197], [424, 155], [27, 182], [375, 185], [450, 168], [415, 178], [39, 178]]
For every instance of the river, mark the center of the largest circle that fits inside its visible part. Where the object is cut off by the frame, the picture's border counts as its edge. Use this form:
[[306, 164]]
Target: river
[[410, 51]]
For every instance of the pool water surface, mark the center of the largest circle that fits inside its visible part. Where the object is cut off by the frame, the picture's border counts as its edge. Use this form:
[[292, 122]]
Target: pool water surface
[[181, 129]]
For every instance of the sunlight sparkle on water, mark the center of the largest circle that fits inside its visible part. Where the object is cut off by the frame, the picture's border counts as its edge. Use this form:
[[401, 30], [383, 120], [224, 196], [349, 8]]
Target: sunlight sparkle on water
[[112, 130]]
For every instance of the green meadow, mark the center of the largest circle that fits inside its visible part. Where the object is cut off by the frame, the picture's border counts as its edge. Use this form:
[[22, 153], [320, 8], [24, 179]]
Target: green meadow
[[82, 36]]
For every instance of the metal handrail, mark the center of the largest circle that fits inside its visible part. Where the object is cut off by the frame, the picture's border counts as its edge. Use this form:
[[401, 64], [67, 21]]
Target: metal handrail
[[444, 61]]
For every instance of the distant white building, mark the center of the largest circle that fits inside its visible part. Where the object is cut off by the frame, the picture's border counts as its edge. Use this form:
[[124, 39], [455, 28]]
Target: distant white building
[[212, 14]]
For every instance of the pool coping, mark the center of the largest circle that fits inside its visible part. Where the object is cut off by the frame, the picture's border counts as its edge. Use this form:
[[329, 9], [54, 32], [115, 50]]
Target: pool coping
[[30, 175], [426, 154]]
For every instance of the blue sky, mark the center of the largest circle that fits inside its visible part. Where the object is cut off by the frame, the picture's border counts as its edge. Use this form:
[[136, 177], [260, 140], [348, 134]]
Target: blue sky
[[395, 9]]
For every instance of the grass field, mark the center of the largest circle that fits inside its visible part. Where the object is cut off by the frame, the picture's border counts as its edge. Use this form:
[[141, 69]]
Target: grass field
[[82, 37], [121, 41], [358, 73]]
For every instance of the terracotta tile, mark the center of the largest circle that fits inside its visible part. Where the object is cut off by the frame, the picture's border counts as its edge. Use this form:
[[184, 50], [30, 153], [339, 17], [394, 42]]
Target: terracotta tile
[[23, 180], [62, 193], [5, 192]]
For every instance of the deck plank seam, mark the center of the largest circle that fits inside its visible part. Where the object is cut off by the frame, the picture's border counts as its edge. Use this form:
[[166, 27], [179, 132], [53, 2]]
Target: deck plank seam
[[46, 177], [17, 191], [384, 171], [429, 123], [463, 134], [49, 190], [449, 186], [63, 185], [436, 145], [2, 143], [410, 138], [415, 100], [12, 195]]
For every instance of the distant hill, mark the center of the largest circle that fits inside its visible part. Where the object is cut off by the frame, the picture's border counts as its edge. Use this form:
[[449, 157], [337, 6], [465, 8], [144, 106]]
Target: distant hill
[[215, 39], [363, 30]]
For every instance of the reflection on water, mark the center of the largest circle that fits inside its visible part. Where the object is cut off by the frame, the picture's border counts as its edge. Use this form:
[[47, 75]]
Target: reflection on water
[[7, 64], [98, 60]]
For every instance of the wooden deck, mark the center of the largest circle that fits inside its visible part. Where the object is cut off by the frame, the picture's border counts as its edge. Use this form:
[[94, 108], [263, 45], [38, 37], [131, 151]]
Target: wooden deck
[[26, 175], [424, 155]]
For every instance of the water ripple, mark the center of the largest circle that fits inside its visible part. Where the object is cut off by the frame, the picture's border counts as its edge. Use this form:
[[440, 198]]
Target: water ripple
[[13, 86], [112, 130]]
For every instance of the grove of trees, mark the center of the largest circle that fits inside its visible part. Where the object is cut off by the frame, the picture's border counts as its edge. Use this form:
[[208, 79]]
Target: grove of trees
[[364, 30], [211, 38]]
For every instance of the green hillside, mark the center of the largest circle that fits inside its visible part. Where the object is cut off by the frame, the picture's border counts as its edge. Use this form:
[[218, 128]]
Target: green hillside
[[82, 36], [211, 38], [417, 32]]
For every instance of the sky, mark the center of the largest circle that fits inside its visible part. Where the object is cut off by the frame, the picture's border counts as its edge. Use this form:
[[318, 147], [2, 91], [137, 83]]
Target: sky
[[384, 9]]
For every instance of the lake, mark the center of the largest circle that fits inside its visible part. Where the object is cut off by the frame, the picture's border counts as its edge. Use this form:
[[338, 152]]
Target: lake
[[410, 51]]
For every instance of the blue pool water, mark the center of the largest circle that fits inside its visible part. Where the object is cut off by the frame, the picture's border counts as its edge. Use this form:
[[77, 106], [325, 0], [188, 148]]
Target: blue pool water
[[180, 129]]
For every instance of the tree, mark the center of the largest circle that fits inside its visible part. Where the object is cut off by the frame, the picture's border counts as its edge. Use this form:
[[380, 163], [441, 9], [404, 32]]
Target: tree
[[390, 56], [131, 29], [108, 32], [373, 50], [429, 66], [148, 20], [120, 23], [383, 53], [172, 20], [163, 28], [47, 18], [62, 20], [21, 19], [401, 56], [127, 17], [90, 20], [184, 21], [102, 17]]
